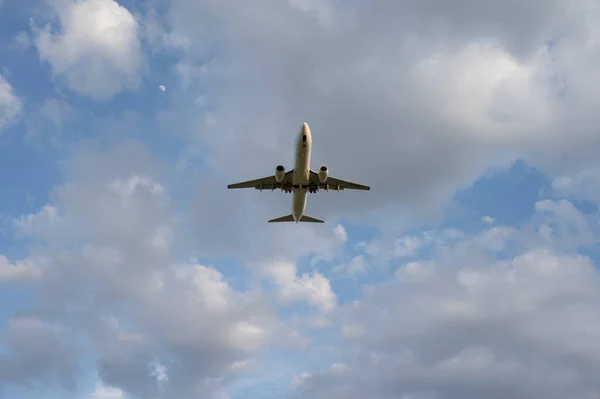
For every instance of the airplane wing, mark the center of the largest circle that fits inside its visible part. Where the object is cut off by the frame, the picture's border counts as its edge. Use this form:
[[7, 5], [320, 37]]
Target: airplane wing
[[334, 184], [266, 183]]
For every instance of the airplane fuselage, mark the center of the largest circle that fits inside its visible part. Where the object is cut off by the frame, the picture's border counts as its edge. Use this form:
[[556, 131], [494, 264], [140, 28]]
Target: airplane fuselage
[[301, 174]]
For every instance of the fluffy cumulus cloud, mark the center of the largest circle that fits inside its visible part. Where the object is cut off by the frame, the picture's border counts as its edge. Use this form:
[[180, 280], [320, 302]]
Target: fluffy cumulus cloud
[[111, 282], [104, 392], [93, 45], [10, 104], [461, 325], [315, 289], [583, 184]]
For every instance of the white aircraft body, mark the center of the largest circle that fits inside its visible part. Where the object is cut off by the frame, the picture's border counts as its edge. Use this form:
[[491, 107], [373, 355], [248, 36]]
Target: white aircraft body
[[300, 181]]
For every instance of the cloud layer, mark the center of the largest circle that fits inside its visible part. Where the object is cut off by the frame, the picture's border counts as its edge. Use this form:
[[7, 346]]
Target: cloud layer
[[458, 326], [142, 270]]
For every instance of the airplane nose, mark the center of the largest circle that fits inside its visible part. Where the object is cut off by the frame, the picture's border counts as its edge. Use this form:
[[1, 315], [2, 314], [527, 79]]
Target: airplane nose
[[305, 128]]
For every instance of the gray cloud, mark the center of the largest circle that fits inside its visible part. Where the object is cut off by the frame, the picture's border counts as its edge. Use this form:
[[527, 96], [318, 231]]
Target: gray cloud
[[416, 99], [37, 351], [463, 326], [108, 270]]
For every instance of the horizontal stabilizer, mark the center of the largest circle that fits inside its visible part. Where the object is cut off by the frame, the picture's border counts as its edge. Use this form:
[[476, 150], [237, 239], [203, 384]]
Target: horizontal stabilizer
[[308, 219], [290, 218]]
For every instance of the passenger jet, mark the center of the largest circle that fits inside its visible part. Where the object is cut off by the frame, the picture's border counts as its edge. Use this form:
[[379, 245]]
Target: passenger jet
[[300, 181]]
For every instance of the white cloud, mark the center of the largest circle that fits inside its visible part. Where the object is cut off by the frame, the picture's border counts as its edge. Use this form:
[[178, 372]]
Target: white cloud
[[494, 239], [98, 38], [495, 91], [353, 331], [21, 41], [565, 224], [462, 324], [340, 368], [341, 234], [583, 185], [188, 73], [299, 379], [128, 187], [112, 281], [298, 340], [57, 111], [320, 322], [242, 365], [322, 10], [247, 336], [488, 219], [355, 267], [388, 246], [19, 271], [414, 271], [104, 392], [315, 289], [34, 224], [407, 246], [10, 104], [155, 33]]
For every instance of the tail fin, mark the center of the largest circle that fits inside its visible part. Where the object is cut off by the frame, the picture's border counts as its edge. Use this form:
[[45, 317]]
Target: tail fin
[[290, 218]]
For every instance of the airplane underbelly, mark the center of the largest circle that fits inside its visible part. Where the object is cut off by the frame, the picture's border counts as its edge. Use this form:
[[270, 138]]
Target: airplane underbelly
[[302, 168], [299, 203]]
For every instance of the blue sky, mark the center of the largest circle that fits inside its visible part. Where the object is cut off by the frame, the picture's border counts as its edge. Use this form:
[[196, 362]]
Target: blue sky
[[468, 270]]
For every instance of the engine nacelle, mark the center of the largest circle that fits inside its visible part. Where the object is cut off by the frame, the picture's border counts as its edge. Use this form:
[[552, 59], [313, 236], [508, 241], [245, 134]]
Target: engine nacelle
[[323, 174], [279, 173]]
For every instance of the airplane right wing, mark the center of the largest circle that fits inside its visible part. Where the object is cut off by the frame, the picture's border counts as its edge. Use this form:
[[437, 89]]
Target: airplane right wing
[[266, 183], [335, 184]]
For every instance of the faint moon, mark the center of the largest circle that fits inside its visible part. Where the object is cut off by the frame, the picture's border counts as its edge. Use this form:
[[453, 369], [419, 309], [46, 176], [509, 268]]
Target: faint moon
[[162, 88]]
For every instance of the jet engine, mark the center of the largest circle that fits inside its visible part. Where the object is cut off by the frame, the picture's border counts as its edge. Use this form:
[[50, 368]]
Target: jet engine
[[323, 174], [279, 173]]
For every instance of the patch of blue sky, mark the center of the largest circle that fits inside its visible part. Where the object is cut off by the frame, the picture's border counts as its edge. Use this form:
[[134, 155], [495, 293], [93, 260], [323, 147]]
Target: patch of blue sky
[[27, 176], [509, 196]]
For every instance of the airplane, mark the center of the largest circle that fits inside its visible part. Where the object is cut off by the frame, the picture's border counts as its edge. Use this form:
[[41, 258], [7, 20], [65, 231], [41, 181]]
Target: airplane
[[300, 181]]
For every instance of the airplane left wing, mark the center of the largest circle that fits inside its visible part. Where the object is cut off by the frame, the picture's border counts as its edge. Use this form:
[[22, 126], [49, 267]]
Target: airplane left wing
[[266, 183], [334, 184]]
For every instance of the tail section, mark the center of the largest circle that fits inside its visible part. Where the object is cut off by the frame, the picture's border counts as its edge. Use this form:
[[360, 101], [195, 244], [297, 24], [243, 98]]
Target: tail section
[[290, 218]]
